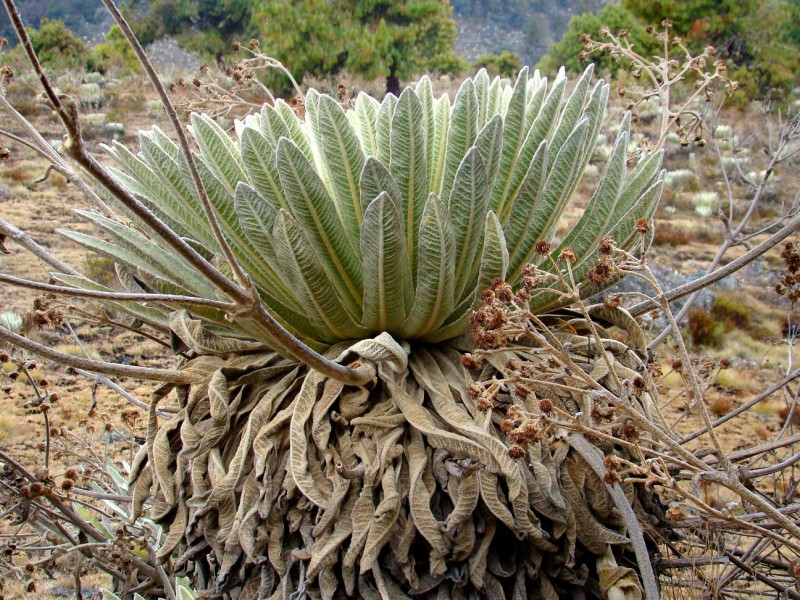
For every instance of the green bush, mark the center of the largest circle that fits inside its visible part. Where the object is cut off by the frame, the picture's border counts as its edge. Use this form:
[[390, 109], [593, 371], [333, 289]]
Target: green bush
[[731, 312], [505, 64], [566, 50], [115, 54], [57, 47]]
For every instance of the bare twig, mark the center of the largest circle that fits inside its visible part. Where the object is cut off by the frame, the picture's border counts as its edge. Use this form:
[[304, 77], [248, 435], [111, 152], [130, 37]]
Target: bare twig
[[96, 366]]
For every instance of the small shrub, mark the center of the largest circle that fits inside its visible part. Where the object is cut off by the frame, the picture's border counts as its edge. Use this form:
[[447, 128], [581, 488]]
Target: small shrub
[[731, 312], [95, 119], [114, 55], [505, 64], [678, 177], [703, 328], [705, 203], [57, 47], [17, 174], [670, 236], [720, 404], [734, 380], [794, 419], [90, 96]]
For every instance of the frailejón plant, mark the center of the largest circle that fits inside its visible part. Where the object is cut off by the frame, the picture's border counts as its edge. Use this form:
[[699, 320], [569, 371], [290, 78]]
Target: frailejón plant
[[370, 234]]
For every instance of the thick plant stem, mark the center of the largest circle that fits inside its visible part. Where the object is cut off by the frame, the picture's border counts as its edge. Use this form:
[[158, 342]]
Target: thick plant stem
[[96, 366], [115, 296], [594, 460]]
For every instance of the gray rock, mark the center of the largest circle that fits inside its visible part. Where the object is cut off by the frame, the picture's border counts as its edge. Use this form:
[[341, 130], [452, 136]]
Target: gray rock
[[86, 593], [165, 53]]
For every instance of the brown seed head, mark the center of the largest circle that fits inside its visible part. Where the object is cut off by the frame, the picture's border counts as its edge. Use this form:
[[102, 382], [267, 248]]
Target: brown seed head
[[516, 451], [505, 293], [542, 248], [521, 391], [470, 362], [629, 432], [606, 245], [599, 273], [567, 255], [484, 404], [642, 226]]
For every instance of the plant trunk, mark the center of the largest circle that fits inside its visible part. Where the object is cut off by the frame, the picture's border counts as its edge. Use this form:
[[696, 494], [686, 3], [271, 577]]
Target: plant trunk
[[392, 81]]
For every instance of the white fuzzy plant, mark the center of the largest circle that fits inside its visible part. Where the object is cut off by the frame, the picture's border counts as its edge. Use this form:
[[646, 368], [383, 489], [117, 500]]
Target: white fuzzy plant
[[369, 234]]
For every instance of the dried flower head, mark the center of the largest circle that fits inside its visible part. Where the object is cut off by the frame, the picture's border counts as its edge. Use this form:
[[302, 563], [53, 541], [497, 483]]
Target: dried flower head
[[517, 451], [484, 404], [642, 226], [606, 245], [470, 361], [543, 248], [546, 406], [567, 255], [629, 432], [600, 273], [502, 290]]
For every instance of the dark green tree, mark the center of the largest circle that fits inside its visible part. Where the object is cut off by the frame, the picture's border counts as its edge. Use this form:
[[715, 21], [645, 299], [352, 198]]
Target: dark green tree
[[721, 23], [372, 38], [790, 28], [763, 58], [565, 52], [207, 26]]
